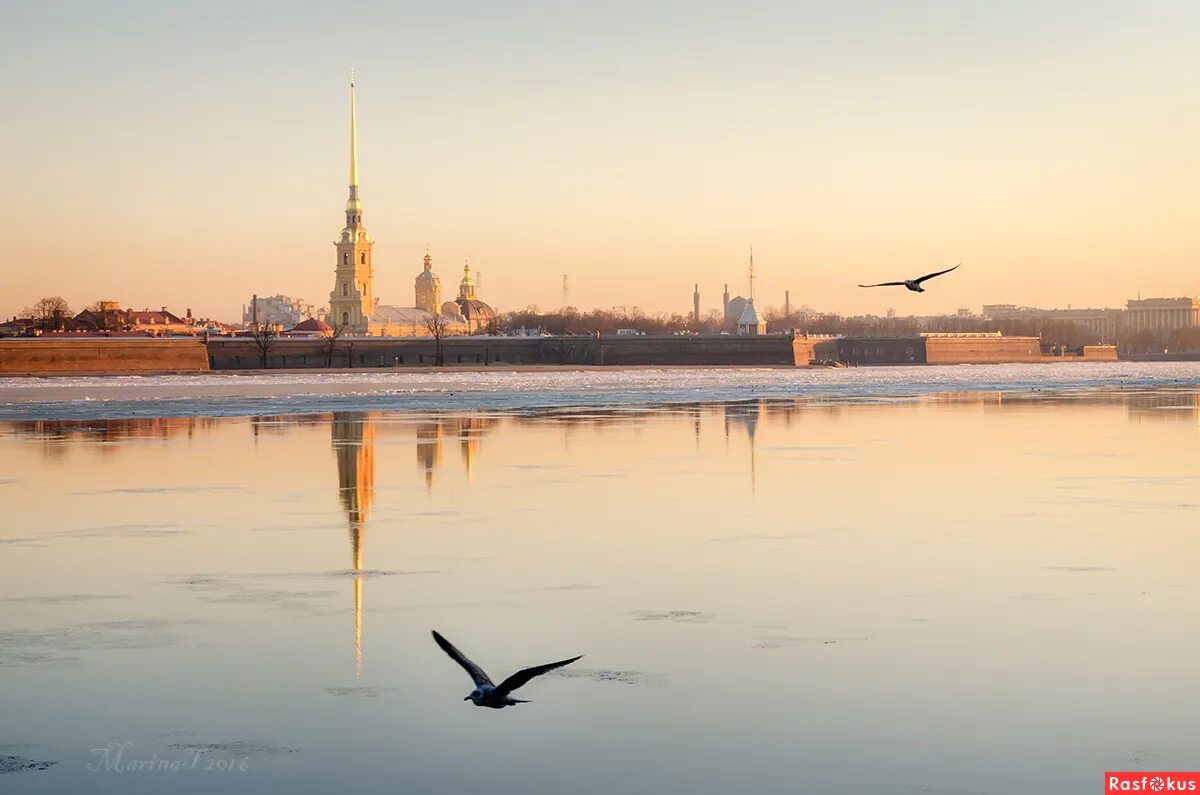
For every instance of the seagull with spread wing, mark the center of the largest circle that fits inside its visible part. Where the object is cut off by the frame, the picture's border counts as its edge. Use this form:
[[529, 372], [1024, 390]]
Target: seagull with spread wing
[[487, 694], [912, 284]]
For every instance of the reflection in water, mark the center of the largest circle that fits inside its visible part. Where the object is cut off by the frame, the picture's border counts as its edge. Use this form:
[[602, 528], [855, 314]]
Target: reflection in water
[[429, 448], [353, 437], [430, 430], [1164, 407], [746, 415], [1062, 520], [56, 435], [354, 446]]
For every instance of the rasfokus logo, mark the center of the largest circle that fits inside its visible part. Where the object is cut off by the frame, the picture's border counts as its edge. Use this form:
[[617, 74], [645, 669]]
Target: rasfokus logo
[[1125, 781]]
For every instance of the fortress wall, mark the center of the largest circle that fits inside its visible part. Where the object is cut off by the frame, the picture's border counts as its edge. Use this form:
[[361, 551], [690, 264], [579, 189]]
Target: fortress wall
[[43, 356], [982, 350], [242, 354], [1100, 353], [708, 349]]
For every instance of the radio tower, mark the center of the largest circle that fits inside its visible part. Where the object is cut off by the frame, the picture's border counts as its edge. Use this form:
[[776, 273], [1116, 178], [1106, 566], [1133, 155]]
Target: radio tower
[[752, 274]]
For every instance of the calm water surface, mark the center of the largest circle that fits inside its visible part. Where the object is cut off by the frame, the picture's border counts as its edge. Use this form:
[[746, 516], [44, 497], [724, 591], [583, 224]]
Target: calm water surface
[[974, 593]]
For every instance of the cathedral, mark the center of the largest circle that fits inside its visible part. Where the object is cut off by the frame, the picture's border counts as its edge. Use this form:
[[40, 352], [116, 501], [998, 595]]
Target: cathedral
[[353, 307]]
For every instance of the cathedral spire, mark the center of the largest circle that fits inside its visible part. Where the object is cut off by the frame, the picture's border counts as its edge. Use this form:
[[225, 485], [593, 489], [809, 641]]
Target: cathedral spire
[[353, 204], [353, 142], [352, 300]]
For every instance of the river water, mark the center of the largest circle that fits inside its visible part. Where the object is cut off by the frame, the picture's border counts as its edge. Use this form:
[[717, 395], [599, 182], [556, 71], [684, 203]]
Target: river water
[[926, 591]]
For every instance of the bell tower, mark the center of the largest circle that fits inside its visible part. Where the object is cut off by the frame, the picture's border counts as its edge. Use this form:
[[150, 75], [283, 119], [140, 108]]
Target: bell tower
[[353, 298]]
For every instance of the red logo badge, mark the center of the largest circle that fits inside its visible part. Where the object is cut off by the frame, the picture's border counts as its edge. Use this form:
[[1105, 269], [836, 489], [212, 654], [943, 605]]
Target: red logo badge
[[1126, 781]]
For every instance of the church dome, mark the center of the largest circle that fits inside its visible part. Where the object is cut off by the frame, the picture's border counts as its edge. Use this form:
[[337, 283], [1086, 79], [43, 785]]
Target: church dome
[[475, 311], [427, 276]]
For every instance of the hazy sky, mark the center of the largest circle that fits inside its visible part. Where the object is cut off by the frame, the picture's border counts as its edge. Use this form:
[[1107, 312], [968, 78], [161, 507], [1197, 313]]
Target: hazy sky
[[192, 154]]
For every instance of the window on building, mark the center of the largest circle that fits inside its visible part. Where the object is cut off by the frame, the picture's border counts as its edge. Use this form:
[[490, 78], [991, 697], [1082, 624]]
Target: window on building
[[362, 258], [345, 318], [345, 258]]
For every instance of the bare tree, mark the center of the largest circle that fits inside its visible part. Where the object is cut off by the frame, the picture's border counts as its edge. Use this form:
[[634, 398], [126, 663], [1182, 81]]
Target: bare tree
[[331, 336], [438, 325], [50, 313], [264, 336], [45, 308]]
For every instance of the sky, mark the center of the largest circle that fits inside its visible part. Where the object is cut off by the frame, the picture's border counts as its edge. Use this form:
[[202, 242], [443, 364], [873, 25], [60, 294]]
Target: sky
[[191, 154]]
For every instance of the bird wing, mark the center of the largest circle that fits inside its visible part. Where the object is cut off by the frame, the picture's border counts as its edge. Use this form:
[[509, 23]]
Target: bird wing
[[931, 275], [884, 284], [523, 676], [471, 668]]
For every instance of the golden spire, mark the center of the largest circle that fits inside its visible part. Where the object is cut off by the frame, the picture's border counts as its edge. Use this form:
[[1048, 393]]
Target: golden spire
[[353, 144], [353, 204]]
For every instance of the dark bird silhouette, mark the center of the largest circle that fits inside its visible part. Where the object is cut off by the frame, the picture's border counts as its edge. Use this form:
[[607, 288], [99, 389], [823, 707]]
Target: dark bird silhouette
[[912, 284], [487, 694]]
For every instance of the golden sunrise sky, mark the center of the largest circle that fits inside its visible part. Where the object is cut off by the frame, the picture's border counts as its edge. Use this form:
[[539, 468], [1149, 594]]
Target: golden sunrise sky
[[190, 154]]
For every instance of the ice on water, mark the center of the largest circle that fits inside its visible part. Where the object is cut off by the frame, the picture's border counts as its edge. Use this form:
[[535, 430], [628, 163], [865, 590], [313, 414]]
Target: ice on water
[[231, 394]]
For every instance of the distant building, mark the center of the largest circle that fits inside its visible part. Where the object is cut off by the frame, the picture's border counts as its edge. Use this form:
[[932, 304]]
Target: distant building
[[751, 322], [310, 328], [476, 313], [108, 317], [428, 288], [1162, 314], [734, 307], [281, 309], [1107, 324]]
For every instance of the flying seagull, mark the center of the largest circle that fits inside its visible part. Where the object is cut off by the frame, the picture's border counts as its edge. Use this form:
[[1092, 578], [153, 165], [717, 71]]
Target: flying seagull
[[487, 694], [912, 284]]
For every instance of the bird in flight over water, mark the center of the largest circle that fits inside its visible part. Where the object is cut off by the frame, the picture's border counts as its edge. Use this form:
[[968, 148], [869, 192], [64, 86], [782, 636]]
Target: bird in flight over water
[[912, 284], [491, 695]]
